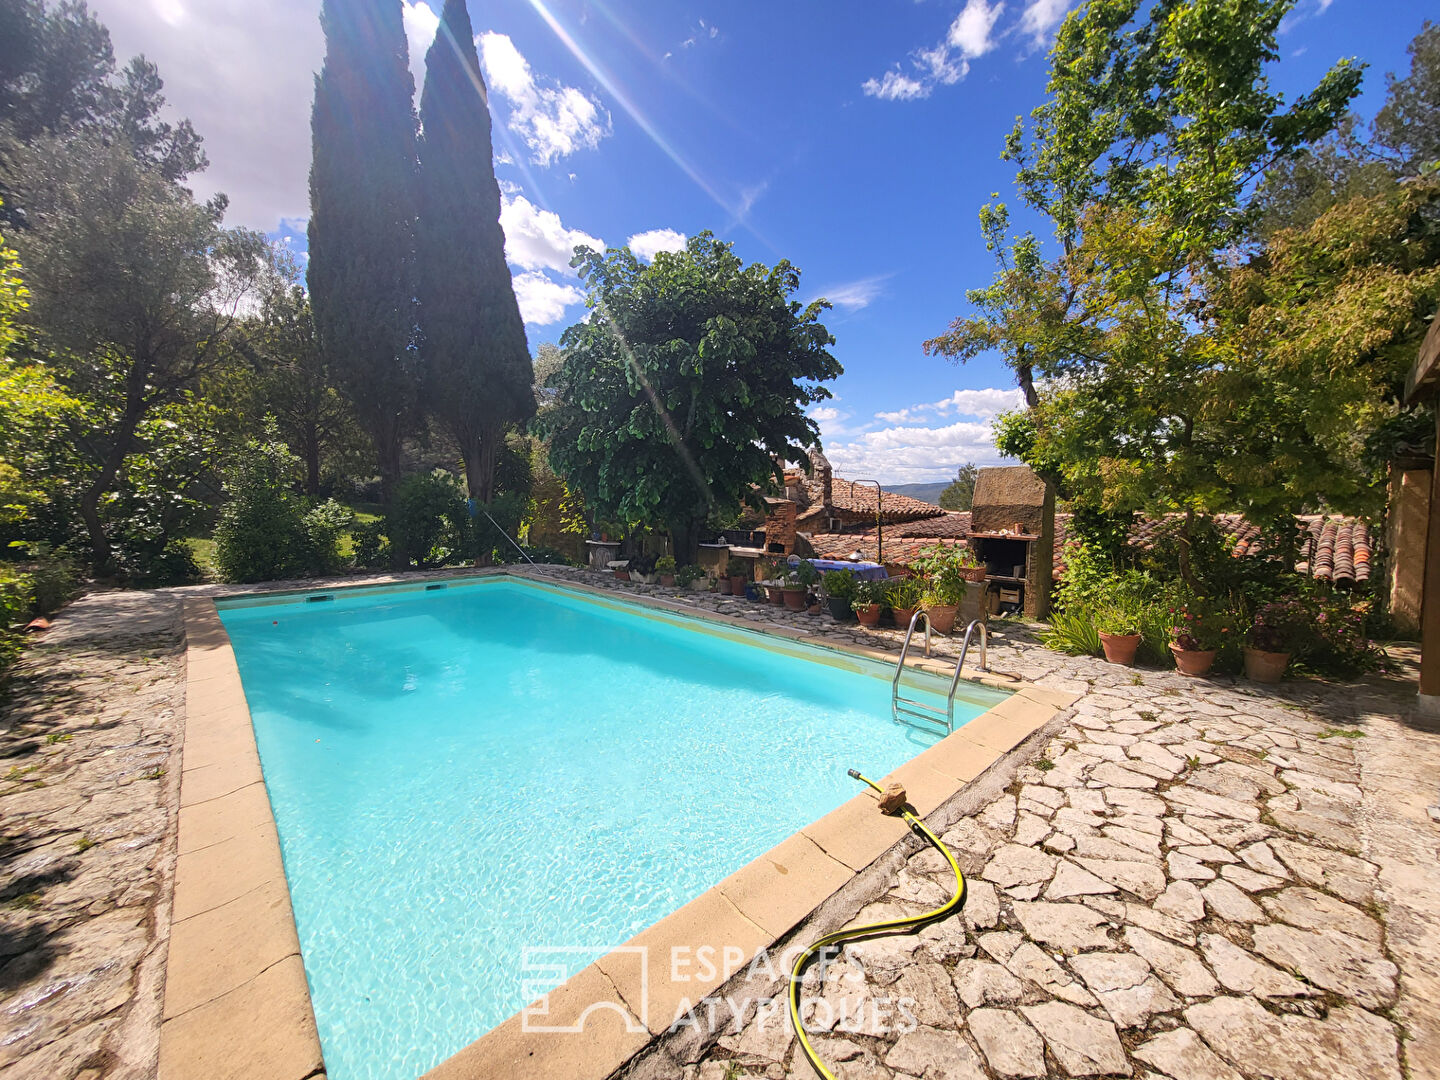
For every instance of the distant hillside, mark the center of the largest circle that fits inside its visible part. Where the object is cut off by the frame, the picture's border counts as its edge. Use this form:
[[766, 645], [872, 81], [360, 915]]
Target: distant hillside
[[924, 492]]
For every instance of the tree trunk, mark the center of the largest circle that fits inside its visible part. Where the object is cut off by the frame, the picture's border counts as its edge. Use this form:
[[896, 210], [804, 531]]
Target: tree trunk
[[1187, 571], [685, 541], [491, 439], [311, 447], [104, 481]]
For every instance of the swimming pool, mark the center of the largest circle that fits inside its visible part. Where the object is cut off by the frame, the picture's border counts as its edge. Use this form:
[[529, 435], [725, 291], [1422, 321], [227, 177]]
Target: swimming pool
[[458, 774]]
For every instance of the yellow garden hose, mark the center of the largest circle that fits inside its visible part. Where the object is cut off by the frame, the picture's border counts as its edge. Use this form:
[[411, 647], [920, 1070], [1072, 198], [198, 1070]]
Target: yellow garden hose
[[890, 926]]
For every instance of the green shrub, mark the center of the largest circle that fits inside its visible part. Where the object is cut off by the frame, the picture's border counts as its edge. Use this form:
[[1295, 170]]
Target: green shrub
[[665, 564], [904, 592], [1072, 631], [687, 575], [840, 584], [54, 582], [425, 520], [869, 592], [265, 531], [17, 600], [371, 548]]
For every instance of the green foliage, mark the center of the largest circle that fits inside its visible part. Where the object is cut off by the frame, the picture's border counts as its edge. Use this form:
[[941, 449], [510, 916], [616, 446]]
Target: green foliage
[[961, 492], [265, 531], [840, 584], [665, 564], [685, 386], [1159, 121], [905, 592], [361, 270], [687, 575], [477, 364], [868, 593], [737, 567], [939, 568], [1408, 124], [17, 599], [421, 521], [1072, 631]]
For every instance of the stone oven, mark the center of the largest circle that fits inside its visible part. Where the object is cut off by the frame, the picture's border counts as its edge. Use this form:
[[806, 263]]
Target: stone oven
[[1012, 530]]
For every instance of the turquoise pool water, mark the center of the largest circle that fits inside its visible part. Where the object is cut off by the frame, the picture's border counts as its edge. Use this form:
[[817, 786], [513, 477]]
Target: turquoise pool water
[[460, 774]]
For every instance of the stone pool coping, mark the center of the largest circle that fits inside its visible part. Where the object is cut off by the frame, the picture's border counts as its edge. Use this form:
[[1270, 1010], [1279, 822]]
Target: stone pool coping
[[236, 1000]]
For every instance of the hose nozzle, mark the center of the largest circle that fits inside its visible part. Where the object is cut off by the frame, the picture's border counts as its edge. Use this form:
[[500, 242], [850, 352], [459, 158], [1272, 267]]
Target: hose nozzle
[[854, 774]]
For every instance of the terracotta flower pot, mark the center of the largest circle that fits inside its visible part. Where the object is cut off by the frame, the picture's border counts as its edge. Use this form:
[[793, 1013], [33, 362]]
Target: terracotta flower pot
[[1193, 661], [1120, 648], [839, 608], [737, 586], [1265, 667], [816, 608], [795, 599], [869, 615], [722, 586], [622, 574], [942, 617], [667, 580], [903, 615], [776, 595]]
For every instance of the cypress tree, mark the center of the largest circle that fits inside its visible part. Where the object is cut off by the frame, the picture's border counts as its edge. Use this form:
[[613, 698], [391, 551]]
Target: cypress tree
[[477, 362], [362, 219]]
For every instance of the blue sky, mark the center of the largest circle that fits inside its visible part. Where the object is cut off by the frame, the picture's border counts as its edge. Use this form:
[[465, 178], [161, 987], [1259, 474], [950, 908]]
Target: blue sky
[[857, 139]]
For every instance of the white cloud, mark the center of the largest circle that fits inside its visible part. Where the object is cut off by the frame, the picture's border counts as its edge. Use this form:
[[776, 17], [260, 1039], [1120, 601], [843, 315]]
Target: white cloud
[[554, 122], [908, 455], [535, 239], [821, 413], [893, 86], [854, 295], [983, 404], [420, 26], [947, 62], [1040, 19], [243, 71], [970, 32], [543, 301], [647, 245]]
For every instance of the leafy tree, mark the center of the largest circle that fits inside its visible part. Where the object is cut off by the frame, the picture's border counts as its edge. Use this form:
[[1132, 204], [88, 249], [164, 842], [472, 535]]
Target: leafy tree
[[137, 292], [961, 492], [548, 362], [265, 531], [281, 372], [685, 390], [58, 77], [477, 362], [362, 219], [1159, 122], [1407, 127]]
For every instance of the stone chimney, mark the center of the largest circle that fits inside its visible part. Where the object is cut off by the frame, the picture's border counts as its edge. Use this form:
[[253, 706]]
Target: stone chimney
[[820, 469]]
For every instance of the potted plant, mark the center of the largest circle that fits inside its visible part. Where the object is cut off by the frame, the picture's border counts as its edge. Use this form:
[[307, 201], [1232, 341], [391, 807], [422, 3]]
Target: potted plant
[[868, 602], [1119, 627], [1197, 634], [944, 571], [722, 583], [621, 569], [665, 567], [738, 570], [1272, 638], [690, 576], [839, 586], [903, 595], [797, 583], [968, 564], [642, 569]]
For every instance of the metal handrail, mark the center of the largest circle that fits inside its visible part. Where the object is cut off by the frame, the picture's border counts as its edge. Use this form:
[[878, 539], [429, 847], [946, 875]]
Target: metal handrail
[[919, 710]]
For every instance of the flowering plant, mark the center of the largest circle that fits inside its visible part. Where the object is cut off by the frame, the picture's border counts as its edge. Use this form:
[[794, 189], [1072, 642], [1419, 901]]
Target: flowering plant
[[1279, 626], [1196, 627]]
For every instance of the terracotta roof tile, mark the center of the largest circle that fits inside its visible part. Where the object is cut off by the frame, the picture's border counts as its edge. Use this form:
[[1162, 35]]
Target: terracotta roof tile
[[1336, 549], [859, 499]]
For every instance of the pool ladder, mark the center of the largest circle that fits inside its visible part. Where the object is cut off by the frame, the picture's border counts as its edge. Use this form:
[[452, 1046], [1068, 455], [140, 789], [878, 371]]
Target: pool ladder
[[905, 710]]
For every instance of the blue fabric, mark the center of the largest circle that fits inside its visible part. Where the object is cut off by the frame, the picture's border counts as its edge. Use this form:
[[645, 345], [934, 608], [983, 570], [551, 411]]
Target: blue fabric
[[865, 571]]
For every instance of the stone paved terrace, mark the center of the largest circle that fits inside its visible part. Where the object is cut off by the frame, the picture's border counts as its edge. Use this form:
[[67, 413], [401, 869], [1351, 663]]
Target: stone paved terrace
[[1195, 879]]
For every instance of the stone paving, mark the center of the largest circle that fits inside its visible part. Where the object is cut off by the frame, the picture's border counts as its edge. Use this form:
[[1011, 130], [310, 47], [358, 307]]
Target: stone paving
[[1198, 878], [88, 818]]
